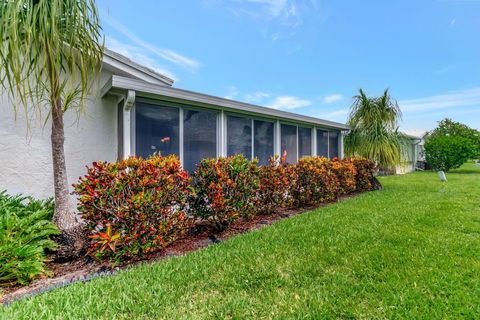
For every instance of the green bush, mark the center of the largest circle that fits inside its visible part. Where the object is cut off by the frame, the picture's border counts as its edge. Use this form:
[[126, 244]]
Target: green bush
[[25, 230], [448, 127], [447, 152]]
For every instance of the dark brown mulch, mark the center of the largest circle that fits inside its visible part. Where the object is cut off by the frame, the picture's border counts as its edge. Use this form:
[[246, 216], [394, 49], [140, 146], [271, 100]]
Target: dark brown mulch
[[201, 236]]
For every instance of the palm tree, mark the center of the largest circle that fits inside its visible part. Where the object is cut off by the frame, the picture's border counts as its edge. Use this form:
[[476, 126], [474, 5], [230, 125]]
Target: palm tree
[[374, 134], [49, 51]]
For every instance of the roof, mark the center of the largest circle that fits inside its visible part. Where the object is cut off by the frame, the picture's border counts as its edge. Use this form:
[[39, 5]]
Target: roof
[[121, 85], [120, 63], [411, 136]]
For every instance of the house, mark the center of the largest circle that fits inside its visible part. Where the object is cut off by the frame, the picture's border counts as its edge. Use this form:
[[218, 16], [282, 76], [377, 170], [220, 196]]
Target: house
[[134, 110], [411, 155]]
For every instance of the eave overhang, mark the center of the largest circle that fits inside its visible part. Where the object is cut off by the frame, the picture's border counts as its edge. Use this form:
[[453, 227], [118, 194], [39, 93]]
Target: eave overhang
[[118, 85]]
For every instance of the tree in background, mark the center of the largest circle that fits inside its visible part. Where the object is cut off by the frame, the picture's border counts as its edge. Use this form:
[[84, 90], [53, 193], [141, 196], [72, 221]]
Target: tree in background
[[444, 152], [50, 51], [450, 145], [374, 134], [448, 127]]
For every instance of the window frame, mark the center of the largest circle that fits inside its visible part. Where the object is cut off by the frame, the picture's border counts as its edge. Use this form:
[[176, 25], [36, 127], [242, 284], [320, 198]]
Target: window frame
[[313, 130], [252, 125], [312, 148], [222, 129], [182, 107]]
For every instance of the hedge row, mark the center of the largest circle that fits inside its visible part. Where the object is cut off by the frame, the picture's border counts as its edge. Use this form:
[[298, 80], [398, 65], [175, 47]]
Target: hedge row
[[137, 206]]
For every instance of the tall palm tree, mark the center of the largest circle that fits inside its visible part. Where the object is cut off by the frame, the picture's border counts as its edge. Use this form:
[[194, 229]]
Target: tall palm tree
[[374, 134], [49, 52]]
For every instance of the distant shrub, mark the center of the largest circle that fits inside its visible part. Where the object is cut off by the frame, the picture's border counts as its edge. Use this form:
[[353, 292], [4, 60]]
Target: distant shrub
[[277, 179], [224, 189], [448, 152], [25, 230], [134, 206], [316, 182], [365, 178], [346, 173]]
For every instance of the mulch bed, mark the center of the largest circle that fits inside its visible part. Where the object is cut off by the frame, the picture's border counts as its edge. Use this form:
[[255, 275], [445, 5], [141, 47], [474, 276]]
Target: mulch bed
[[85, 269]]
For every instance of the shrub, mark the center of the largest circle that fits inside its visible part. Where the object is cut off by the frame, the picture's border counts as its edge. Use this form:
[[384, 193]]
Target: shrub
[[365, 179], [448, 127], [276, 182], [316, 182], [346, 173], [225, 188], [25, 230], [448, 152], [134, 206]]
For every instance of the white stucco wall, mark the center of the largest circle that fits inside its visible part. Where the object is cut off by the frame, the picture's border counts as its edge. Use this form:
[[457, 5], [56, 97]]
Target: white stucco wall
[[25, 161]]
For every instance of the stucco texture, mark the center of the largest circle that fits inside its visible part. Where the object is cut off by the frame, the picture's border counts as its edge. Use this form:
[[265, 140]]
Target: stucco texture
[[25, 161]]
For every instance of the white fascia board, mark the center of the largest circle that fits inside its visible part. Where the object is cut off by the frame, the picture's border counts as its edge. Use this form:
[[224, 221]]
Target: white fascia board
[[118, 84], [118, 62]]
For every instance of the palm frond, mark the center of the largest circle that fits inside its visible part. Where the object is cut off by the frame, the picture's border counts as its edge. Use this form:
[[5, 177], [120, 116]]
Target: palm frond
[[50, 50], [374, 135]]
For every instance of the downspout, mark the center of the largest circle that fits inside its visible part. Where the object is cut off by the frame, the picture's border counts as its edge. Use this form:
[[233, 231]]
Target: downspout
[[128, 124]]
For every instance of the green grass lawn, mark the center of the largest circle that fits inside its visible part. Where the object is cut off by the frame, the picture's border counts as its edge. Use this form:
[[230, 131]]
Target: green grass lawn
[[409, 251]]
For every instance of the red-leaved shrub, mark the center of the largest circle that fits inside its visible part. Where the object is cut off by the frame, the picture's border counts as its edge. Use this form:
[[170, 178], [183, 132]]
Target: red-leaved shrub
[[133, 207], [365, 178], [224, 189], [346, 174], [316, 182], [276, 182]]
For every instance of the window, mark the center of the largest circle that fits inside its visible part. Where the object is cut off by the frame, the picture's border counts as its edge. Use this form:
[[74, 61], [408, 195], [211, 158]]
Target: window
[[304, 142], [288, 142], [263, 141], [239, 136], [157, 129], [333, 144], [322, 143], [199, 137]]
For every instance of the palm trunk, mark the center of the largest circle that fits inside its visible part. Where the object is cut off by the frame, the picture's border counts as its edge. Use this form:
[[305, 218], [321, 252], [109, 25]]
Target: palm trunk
[[71, 239]]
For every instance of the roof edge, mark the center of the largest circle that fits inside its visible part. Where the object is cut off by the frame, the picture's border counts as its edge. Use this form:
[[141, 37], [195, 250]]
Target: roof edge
[[131, 67], [123, 83]]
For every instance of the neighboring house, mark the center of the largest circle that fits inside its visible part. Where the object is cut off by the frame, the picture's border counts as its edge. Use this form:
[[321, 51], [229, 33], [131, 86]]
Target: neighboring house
[[412, 153], [136, 111]]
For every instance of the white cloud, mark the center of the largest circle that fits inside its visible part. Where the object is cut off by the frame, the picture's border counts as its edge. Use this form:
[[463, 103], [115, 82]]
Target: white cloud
[[232, 93], [282, 102], [256, 97], [278, 19], [166, 54], [444, 69], [276, 8], [138, 55], [453, 99], [177, 58], [289, 103], [336, 115], [332, 98]]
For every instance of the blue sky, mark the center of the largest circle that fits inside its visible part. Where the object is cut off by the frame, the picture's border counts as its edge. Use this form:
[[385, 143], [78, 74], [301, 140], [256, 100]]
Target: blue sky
[[311, 56]]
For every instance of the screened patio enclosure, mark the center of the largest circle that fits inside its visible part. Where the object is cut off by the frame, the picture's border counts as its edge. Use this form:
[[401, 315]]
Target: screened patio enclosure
[[194, 126]]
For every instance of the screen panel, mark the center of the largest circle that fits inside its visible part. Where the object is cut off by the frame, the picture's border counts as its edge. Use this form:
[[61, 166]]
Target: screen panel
[[239, 136], [199, 137], [322, 143], [304, 142], [288, 142], [333, 144], [263, 141], [157, 129]]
